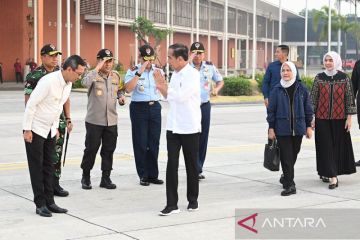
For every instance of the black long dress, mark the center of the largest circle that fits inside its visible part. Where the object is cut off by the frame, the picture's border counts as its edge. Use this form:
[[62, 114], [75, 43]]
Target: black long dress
[[333, 100]]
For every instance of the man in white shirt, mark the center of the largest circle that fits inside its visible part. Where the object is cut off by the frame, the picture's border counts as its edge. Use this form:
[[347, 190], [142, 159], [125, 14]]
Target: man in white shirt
[[183, 126], [41, 120]]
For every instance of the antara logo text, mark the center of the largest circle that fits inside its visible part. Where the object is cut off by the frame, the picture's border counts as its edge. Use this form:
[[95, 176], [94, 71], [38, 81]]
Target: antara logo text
[[284, 222]]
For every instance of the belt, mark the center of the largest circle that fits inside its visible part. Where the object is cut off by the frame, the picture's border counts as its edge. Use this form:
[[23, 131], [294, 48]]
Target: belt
[[148, 103], [205, 103]]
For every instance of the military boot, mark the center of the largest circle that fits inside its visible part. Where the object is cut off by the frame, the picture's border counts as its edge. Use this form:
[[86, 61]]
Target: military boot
[[58, 190], [106, 181], [85, 182]]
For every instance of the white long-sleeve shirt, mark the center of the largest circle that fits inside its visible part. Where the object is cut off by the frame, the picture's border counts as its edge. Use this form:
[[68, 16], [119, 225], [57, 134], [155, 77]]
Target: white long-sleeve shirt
[[183, 95], [45, 104]]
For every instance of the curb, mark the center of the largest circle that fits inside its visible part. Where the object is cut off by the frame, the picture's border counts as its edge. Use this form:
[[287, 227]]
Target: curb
[[82, 90]]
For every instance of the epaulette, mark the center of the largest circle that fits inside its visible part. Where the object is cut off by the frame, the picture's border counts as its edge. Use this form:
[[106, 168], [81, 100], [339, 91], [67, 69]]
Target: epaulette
[[116, 73], [209, 63], [134, 68]]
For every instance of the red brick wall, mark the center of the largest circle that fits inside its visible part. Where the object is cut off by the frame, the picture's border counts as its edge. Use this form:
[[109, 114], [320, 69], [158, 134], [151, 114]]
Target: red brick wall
[[14, 40], [215, 57]]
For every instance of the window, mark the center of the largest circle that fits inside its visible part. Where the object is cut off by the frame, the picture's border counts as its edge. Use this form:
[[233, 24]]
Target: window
[[182, 13], [90, 7], [142, 8], [250, 15], [261, 26], [276, 30], [231, 20], [269, 30], [204, 14], [217, 17], [157, 11], [242, 22]]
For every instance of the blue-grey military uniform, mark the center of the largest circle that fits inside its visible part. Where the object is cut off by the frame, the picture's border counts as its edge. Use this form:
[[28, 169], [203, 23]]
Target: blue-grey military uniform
[[208, 74], [145, 115]]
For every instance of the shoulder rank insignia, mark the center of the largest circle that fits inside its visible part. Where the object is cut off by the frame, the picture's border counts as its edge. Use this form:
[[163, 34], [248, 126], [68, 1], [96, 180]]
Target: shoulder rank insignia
[[209, 63], [134, 68]]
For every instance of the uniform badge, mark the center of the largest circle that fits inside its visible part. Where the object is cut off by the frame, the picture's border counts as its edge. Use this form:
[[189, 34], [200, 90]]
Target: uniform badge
[[99, 92], [197, 45], [52, 47], [141, 88], [107, 52], [148, 51]]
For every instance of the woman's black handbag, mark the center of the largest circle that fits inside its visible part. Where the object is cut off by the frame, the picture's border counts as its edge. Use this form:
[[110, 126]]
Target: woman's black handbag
[[272, 155]]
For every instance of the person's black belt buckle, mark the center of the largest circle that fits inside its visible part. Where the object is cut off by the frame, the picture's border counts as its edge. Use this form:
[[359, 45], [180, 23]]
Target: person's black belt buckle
[[204, 103], [151, 103]]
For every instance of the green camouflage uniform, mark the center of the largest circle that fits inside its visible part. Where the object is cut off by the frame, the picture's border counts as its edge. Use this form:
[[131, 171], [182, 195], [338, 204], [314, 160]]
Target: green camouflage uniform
[[31, 81]]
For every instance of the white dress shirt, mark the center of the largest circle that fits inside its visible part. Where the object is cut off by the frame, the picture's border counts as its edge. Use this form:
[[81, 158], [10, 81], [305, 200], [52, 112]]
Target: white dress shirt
[[183, 95], [45, 104]]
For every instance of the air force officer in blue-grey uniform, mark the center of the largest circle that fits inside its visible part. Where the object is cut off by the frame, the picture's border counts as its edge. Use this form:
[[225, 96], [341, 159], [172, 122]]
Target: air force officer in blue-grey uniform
[[208, 74], [145, 115]]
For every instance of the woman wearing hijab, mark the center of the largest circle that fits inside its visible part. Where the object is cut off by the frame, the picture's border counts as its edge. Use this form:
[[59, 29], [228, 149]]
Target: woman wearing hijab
[[289, 116], [334, 103]]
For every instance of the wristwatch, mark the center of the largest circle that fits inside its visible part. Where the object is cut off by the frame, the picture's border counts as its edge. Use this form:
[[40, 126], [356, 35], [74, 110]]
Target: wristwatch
[[137, 74]]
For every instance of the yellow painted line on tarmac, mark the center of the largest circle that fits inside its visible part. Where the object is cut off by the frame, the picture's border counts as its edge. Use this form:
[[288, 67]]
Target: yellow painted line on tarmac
[[70, 161], [162, 154]]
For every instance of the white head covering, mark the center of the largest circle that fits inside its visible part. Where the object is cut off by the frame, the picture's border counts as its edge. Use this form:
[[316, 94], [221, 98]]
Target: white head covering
[[337, 63], [286, 84]]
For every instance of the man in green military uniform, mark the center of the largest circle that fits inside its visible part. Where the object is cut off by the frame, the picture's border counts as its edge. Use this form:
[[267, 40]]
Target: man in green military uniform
[[49, 59]]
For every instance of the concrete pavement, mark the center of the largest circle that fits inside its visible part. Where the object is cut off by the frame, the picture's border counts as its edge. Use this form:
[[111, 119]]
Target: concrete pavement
[[234, 174]]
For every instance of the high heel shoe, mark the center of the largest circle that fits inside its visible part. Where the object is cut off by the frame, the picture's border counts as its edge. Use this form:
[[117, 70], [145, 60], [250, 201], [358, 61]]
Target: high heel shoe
[[334, 185]]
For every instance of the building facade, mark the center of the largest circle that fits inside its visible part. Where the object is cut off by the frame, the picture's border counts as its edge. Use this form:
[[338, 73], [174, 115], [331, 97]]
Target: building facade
[[29, 24]]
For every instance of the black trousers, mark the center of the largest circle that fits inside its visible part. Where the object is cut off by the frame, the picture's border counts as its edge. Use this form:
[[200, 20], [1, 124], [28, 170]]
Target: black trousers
[[146, 129], [204, 135], [39, 155], [190, 147], [289, 149], [96, 135]]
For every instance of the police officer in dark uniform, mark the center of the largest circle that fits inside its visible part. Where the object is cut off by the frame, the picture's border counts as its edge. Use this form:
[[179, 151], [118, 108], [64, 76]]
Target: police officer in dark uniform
[[49, 58], [208, 74], [145, 115]]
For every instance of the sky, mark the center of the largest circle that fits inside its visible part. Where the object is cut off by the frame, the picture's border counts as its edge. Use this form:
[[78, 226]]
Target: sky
[[298, 5]]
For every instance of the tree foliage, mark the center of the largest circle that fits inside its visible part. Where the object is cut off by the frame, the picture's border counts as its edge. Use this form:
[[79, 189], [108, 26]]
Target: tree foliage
[[144, 29]]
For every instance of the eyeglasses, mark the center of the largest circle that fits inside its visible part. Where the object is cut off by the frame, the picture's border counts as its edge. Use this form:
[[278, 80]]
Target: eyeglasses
[[79, 74]]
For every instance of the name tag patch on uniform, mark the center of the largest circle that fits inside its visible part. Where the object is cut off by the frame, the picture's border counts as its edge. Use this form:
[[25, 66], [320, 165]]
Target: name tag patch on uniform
[[141, 87], [99, 92]]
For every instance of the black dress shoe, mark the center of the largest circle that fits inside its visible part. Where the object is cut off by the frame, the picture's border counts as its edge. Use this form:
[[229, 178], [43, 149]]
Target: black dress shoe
[[288, 191], [56, 209], [334, 185], [357, 164], [86, 183], [155, 181], [201, 176], [107, 183], [144, 182], [43, 211]]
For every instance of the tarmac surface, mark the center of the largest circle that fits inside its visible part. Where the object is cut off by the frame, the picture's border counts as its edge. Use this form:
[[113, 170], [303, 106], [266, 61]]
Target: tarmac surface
[[235, 179]]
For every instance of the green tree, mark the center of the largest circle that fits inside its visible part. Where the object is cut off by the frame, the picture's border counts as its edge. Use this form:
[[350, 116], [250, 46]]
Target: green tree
[[144, 29], [321, 17]]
